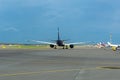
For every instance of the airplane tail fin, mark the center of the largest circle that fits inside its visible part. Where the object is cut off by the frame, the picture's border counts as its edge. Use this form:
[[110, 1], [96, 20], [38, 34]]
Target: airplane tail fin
[[109, 43], [58, 34]]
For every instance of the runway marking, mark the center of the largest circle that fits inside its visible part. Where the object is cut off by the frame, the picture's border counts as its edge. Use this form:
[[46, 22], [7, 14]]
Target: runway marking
[[47, 71], [28, 73]]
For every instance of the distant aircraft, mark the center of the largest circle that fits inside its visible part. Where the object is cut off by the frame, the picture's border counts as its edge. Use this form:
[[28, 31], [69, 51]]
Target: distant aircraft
[[60, 43], [101, 45], [114, 46]]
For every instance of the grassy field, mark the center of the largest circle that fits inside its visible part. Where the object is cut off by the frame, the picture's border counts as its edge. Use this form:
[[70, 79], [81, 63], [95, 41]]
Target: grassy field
[[24, 46]]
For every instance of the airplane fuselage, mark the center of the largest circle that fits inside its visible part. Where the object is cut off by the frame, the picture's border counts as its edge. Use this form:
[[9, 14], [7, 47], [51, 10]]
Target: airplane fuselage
[[60, 43]]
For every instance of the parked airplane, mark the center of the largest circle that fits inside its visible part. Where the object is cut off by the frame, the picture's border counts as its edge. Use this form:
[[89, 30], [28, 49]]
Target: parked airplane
[[114, 46], [101, 45], [60, 43]]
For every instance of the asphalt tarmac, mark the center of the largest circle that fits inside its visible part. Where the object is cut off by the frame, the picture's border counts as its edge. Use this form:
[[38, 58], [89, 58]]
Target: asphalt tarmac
[[59, 64]]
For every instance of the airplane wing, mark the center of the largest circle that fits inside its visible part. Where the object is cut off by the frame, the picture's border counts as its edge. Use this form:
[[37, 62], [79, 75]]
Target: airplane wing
[[79, 43], [71, 45], [44, 42]]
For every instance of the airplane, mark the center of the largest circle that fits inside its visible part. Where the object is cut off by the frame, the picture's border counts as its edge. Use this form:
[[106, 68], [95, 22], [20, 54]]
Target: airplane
[[114, 46], [101, 45], [59, 42]]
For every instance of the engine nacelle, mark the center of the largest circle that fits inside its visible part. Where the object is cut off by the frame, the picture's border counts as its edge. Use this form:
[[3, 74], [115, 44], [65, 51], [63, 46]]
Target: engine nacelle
[[52, 46], [71, 46]]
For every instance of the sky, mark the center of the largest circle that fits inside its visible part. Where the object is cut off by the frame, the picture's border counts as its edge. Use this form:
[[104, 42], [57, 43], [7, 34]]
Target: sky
[[78, 20]]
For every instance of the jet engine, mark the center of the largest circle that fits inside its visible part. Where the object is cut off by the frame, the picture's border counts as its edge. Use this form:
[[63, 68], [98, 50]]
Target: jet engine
[[71, 46], [52, 46]]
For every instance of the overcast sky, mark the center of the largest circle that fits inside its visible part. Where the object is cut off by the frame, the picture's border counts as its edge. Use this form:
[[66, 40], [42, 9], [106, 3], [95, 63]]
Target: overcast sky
[[78, 20]]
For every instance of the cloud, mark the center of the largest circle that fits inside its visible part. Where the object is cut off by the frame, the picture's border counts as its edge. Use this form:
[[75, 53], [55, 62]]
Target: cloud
[[13, 29]]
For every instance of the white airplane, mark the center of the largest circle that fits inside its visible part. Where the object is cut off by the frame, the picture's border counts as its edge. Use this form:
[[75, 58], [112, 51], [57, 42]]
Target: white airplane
[[59, 42], [101, 45], [114, 46]]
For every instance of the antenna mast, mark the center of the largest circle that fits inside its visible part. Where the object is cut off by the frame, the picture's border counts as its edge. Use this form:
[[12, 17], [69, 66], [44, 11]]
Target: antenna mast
[[111, 38]]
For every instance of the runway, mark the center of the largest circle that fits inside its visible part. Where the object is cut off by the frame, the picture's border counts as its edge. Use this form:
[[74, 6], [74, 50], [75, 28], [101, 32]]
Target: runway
[[59, 64]]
